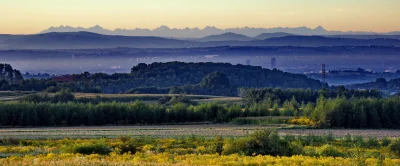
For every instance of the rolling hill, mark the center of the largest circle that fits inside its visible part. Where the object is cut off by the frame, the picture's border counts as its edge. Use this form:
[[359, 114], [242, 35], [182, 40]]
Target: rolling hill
[[85, 40], [65, 40], [225, 37], [264, 36]]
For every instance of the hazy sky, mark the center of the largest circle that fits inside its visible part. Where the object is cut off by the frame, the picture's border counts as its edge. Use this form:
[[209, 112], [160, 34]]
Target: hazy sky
[[32, 16]]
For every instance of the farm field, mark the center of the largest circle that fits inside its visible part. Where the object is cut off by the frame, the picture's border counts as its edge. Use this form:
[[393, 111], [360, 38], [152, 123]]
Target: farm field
[[148, 98], [155, 97], [13, 95], [206, 130]]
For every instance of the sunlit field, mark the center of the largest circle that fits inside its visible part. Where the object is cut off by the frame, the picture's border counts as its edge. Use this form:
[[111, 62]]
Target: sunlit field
[[259, 148]]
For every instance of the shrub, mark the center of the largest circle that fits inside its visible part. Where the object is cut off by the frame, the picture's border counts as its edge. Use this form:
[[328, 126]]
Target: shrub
[[287, 112], [359, 141], [127, 147], [266, 142], [219, 145], [395, 146], [348, 140], [98, 148], [302, 121], [329, 150], [234, 146], [385, 141], [372, 142]]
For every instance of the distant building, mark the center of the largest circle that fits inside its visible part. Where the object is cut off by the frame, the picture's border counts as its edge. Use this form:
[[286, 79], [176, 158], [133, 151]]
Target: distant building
[[273, 63], [248, 62]]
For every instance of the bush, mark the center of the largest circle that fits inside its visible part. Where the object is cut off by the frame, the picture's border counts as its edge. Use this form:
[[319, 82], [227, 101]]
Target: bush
[[98, 148], [329, 150], [128, 146], [359, 141], [372, 142], [266, 142], [219, 145], [63, 96], [385, 141], [302, 121], [234, 146], [395, 146]]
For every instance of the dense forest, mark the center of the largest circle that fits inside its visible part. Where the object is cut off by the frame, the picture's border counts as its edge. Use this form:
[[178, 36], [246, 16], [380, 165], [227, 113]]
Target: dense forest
[[173, 77], [180, 73]]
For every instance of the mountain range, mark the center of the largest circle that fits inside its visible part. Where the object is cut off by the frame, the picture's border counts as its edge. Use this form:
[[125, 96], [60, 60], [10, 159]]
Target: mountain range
[[164, 31], [85, 40]]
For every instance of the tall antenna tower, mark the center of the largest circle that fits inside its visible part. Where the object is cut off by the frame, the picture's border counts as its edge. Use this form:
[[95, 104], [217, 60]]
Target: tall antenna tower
[[323, 76]]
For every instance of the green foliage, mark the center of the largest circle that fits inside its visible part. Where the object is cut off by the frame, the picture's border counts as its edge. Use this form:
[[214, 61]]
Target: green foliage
[[128, 145], [173, 77], [275, 110], [219, 145], [329, 150], [358, 112], [97, 148], [259, 120], [265, 142], [295, 96], [215, 80], [113, 113], [395, 147], [372, 142], [385, 142], [63, 96]]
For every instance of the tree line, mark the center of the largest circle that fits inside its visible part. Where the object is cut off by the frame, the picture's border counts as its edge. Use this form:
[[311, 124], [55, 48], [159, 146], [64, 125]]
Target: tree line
[[357, 112], [77, 114], [337, 112], [269, 95]]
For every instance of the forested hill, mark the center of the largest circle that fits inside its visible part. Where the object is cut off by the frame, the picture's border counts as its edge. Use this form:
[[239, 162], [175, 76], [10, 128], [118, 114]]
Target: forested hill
[[221, 79], [180, 73], [380, 83]]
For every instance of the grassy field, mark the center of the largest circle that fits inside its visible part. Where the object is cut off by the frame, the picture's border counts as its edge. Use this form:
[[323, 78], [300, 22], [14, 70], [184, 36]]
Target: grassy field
[[155, 97], [13, 95], [16, 95], [261, 148]]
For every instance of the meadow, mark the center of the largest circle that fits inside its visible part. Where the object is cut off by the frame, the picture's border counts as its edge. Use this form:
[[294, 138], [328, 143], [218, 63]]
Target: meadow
[[262, 147]]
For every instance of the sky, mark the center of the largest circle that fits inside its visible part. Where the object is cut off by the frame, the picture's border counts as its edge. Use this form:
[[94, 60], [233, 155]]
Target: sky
[[33, 16]]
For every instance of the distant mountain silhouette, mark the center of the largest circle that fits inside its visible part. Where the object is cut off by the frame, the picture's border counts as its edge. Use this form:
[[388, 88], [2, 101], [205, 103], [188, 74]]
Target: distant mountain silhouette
[[316, 41], [264, 36], [164, 31], [80, 40], [374, 36], [65, 40], [229, 36]]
